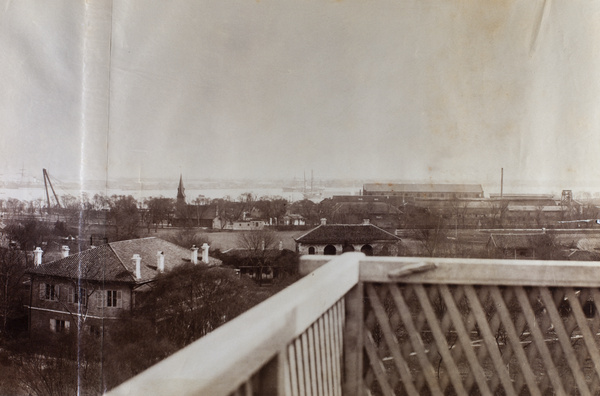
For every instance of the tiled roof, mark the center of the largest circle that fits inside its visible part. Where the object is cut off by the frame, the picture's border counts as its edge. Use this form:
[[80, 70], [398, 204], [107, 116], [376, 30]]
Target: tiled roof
[[113, 261], [351, 233], [294, 216], [424, 188], [203, 212], [98, 264]]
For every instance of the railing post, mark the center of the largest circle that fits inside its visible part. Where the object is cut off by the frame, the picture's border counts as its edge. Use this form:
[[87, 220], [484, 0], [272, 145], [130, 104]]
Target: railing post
[[353, 341], [273, 376]]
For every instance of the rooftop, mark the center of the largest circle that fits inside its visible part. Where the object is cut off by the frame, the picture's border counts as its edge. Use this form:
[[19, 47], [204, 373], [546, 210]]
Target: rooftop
[[424, 188], [112, 262], [517, 241], [350, 233]]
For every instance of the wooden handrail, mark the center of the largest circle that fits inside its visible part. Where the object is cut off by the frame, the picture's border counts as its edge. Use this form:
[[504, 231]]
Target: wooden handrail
[[483, 271], [471, 271], [220, 362]]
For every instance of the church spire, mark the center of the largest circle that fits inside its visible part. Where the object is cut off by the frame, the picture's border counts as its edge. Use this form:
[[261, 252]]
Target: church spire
[[180, 190]]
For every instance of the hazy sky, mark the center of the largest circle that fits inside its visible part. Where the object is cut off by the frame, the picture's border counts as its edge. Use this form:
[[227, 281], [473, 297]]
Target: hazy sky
[[445, 90]]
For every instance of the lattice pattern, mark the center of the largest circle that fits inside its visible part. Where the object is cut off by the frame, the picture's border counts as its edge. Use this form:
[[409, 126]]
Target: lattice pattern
[[446, 340]]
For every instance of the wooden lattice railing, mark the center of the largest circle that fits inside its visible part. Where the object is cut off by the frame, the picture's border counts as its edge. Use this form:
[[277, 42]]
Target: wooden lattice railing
[[481, 327], [360, 325]]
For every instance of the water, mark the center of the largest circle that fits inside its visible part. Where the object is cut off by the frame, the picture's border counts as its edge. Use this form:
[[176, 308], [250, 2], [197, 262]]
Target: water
[[30, 193]]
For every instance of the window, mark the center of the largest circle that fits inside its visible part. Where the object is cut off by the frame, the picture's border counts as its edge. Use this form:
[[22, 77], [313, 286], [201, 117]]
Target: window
[[59, 326], [109, 298], [78, 295], [49, 292], [95, 330], [113, 298]]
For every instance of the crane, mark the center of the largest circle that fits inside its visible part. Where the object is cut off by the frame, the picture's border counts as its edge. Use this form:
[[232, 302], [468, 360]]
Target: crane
[[46, 182]]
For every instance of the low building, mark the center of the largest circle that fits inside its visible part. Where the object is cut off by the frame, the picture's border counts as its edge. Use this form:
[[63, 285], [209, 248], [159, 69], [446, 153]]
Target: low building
[[93, 288], [244, 225], [419, 191], [381, 214], [332, 239], [263, 266], [293, 219], [520, 245]]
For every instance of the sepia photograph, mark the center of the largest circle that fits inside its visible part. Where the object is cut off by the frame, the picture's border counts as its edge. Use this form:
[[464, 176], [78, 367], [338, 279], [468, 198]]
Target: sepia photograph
[[299, 197]]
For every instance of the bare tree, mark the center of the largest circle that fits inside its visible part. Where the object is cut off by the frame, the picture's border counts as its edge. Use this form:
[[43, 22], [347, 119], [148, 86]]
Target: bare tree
[[160, 210], [257, 245], [12, 269], [230, 211], [498, 210], [124, 216], [28, 233], [192, 300], [307, 209], [432, 237], [187, 238], [272, 208]]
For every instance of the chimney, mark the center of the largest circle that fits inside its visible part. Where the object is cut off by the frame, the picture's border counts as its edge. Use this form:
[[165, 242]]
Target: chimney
[[366, 221], [323, 221], [64, 251], [194, 257], [37, 256], [138, 265], [160, 261], [205, 253]]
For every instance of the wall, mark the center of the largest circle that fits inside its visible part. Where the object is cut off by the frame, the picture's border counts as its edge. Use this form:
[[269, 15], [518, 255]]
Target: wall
[[43, 310], [245, 225], [379, 249]]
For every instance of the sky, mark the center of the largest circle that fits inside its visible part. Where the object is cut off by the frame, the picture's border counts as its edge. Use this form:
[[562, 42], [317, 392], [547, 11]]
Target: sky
[[440, 91]]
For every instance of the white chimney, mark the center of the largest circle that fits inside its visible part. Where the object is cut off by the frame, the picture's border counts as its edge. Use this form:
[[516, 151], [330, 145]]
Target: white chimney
[[160, 261], [323, 221], [366, 221], [205, 253], [137, 259], [64, 251], [37, 256], [194, 257]]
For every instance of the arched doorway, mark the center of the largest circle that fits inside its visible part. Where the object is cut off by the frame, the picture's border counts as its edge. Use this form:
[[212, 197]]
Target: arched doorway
[[347, 247], [385, 251], [312, 250], [367, 250], [330, 250]]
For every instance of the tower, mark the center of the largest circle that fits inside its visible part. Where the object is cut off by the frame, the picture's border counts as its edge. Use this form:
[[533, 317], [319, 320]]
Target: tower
[[180, 191], [566, 198], [181, 209]]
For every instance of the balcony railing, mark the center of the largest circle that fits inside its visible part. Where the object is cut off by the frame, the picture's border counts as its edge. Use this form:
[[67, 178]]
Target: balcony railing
[[358, 325]]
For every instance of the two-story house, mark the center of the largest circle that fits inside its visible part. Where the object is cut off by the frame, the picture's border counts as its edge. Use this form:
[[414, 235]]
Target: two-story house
[[90, 290]]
